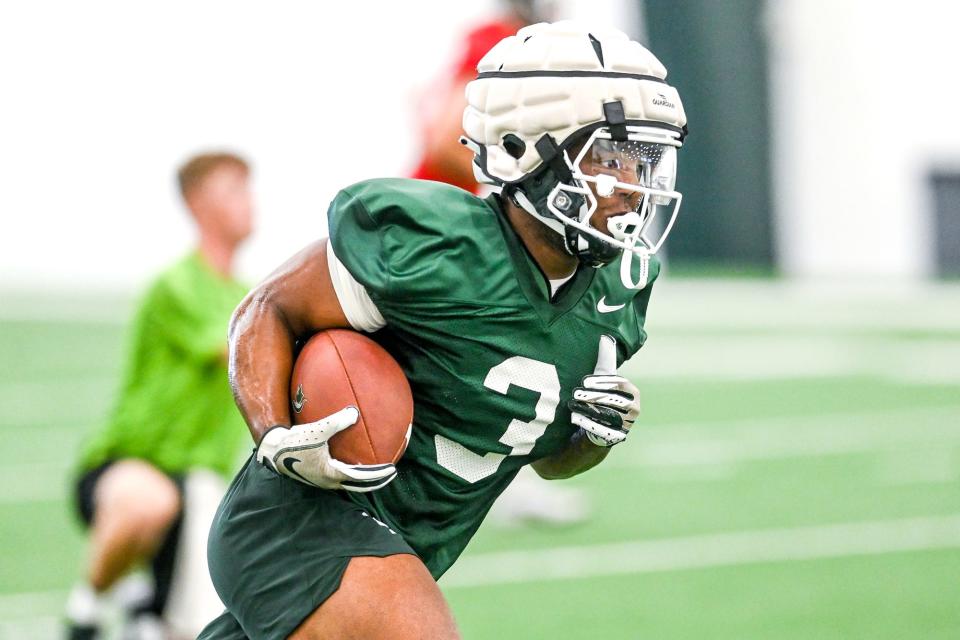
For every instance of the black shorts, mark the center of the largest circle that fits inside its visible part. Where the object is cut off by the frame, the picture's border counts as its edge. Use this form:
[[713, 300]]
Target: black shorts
[[278, 549], [86, 485], [162, 563]]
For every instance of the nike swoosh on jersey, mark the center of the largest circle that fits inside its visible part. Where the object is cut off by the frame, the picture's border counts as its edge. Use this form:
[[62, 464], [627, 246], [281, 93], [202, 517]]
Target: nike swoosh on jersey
[[603, 307]]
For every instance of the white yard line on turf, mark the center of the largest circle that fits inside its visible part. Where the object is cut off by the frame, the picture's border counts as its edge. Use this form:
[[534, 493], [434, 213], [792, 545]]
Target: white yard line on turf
[[933, 465], [768, 356], [706, 551], [31, 603], [41, 628], [647, 556], [795, 304]]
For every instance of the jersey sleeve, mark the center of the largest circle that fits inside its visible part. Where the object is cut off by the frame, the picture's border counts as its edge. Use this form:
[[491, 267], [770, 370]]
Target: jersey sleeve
[[356, 240], [385, 232], [410, 241], [360, 310]]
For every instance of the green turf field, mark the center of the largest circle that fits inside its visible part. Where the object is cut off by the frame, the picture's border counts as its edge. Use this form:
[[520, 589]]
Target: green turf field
[[797, 475]]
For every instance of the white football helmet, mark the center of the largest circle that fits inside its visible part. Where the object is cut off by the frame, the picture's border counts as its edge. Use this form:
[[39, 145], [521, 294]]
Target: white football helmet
[[557, 97]]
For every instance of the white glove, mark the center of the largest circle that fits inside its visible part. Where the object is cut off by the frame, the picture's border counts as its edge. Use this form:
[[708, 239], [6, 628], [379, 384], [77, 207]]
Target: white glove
[[301, 452], [605, 405]]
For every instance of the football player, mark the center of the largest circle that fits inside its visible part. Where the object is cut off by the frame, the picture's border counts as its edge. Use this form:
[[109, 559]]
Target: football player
[[509, 316]]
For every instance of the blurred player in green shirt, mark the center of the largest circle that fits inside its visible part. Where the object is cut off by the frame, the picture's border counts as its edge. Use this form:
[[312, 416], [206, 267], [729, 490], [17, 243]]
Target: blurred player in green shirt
[[174, 412]]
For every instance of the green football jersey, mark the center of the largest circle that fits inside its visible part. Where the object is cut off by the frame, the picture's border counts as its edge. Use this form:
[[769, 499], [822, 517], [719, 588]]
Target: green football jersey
[[175, 408], [491, 359]]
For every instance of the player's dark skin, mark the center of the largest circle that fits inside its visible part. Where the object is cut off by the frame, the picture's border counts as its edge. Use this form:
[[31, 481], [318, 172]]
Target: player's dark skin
[[299, 299]]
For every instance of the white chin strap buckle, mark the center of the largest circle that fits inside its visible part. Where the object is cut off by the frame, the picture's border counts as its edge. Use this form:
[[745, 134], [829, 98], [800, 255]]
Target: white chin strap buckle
[[605, 185], [625, 227]]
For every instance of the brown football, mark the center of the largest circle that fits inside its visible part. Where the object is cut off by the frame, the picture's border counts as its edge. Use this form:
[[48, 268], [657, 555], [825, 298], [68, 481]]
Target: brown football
[[337, 368]]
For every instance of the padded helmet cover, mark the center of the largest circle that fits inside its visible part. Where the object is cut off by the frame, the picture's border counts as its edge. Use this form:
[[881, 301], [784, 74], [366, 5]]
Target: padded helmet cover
[[555, 78]]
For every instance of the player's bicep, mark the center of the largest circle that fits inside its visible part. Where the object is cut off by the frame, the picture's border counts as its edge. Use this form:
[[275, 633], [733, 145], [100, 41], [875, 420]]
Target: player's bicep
[[300, 291], [313, 291]]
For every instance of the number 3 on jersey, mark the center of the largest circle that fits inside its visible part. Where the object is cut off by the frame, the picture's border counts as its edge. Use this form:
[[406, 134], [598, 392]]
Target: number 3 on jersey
[[520, 436]]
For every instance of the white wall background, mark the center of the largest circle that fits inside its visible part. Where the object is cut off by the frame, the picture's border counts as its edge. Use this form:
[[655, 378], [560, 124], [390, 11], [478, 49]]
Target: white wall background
[[101, 100], [865, 101]]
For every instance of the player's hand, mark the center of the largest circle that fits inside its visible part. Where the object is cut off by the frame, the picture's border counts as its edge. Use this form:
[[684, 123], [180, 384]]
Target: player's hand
[[605, 405], [301, 452]]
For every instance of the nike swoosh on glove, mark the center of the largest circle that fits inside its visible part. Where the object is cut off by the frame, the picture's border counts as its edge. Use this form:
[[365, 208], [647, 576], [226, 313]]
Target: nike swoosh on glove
[[605, 405], [301, 452]]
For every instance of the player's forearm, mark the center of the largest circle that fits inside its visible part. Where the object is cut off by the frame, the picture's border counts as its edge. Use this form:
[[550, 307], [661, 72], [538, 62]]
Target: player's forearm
[[578, 456], [261, 360], [295, 301]]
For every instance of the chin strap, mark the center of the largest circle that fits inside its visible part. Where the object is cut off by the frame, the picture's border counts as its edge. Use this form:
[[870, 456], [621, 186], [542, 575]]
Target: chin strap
[[552, 156], [591, 251], [595, 254], [521, 199], [626, 270]]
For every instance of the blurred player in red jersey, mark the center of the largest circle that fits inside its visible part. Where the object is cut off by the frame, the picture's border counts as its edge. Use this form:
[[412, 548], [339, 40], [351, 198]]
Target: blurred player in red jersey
[[444, 159]]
